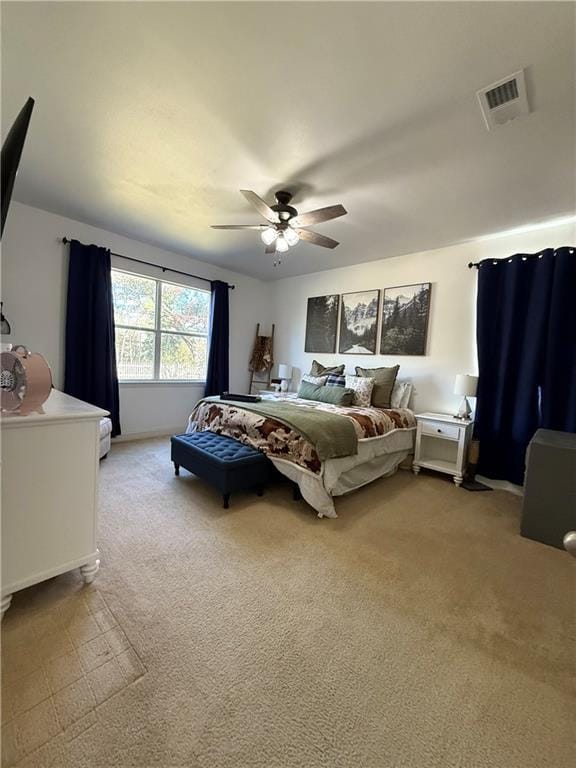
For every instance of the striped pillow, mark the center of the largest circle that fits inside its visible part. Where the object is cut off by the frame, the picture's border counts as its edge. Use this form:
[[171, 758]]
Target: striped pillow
[[335, 381]]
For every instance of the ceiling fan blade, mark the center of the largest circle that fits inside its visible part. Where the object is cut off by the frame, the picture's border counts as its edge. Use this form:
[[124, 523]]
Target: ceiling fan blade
[[315, 217], [271, 248], [262, 207], [316, 239], [238, 226]]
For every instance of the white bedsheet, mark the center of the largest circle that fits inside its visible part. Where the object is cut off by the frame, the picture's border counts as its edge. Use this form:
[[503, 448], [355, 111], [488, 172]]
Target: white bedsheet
[[376, 457]]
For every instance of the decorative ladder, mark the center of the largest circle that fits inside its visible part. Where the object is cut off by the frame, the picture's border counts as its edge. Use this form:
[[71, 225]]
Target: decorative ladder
[[263, 375]]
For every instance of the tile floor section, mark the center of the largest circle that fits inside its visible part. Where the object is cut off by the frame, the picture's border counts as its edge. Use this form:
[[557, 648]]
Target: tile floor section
[[82, 658]]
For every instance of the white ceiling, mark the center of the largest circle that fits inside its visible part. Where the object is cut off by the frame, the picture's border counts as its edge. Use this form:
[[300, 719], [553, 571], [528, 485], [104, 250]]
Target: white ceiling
[[151, 116]]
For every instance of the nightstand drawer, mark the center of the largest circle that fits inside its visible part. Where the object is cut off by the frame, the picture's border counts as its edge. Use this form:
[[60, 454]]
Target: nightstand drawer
[[447, 431]]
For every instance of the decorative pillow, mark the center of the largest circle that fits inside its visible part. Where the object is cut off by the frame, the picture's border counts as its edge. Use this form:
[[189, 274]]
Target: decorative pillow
[[335, 381], [384, 379], [405, 402], [362, 388], [397, 394], [401, 392], [332, 395], [320, 381], [318, 369]]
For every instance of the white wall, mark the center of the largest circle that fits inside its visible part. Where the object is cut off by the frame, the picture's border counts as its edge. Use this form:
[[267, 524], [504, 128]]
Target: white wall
[[34, 279], [34, 268], [451, 331]]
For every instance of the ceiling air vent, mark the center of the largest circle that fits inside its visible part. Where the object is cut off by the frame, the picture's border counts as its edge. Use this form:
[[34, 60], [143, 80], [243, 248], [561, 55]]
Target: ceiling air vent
[[504, 100]]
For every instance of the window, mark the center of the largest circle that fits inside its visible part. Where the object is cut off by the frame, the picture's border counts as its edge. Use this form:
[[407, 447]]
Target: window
[[161, 329]]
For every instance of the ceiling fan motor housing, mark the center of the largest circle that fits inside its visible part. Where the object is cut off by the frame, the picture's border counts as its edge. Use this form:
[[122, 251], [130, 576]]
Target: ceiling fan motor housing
[[284, 211]]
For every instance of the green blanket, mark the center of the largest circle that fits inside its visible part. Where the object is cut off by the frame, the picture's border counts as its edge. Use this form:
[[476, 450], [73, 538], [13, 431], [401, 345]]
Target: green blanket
[[331, 435]]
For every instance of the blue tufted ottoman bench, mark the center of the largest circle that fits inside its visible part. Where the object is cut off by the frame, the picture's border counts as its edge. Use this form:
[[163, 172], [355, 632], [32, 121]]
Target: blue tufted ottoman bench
[[223, 462]]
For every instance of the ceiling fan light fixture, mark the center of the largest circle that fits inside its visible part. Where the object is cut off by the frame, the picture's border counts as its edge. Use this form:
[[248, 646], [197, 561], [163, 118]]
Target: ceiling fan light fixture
[[292, 237], [285, 226], [282, 244], [269, 235]]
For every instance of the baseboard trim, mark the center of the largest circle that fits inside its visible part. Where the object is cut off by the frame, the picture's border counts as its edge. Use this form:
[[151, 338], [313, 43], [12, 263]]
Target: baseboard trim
[[164, 432], [501, 485]]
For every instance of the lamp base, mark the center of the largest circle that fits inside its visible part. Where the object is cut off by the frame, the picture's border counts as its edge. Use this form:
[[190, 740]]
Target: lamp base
[[464, 411]]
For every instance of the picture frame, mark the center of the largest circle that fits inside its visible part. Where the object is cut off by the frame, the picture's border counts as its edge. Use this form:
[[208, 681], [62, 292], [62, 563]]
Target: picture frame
[[359, 322], [322, 323], [405, 314]]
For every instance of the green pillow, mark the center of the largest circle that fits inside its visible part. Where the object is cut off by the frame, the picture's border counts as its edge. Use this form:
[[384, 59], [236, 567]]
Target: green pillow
[[323, 394], [384, 379], [320, 370]]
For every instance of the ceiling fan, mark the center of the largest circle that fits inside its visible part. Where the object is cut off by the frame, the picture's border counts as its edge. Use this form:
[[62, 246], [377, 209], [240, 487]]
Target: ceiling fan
[[285, 225]]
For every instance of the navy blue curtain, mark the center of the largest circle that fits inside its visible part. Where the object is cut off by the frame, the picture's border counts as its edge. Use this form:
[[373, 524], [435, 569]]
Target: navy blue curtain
[[218, 356], [559, 382], [526, 332], [90, 362]]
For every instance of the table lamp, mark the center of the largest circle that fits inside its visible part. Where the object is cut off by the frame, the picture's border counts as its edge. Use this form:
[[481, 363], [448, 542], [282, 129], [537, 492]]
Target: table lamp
[[284, 373], [465, 385]]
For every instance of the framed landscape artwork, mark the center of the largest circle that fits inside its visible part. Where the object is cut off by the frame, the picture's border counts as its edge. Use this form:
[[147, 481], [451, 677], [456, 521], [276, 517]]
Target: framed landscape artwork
[[405, 310], [358, 323], [322, 323]]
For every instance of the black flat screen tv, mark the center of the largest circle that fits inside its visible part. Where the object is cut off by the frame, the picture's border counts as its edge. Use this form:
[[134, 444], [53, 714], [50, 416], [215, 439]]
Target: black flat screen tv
[[11, 153]]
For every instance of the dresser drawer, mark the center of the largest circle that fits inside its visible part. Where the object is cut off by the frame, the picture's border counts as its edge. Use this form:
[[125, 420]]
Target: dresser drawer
[[447, 431]]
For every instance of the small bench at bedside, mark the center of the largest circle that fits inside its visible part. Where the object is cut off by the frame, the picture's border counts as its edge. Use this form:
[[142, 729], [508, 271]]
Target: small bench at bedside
[[223, 462]]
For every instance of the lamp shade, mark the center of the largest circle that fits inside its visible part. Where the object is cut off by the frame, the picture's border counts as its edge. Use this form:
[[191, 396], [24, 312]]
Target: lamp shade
[[465, 385], [284, 371]]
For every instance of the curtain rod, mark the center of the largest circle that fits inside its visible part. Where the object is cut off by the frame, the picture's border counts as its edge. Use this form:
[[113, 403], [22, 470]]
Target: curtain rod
[[524, 256], [164, 269]]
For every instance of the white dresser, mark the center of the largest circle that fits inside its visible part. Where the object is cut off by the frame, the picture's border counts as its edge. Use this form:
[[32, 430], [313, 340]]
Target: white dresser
[[49, 493]]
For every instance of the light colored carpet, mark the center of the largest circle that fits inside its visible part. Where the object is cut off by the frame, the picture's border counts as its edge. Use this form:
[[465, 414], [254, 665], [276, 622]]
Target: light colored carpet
[[416, 630]]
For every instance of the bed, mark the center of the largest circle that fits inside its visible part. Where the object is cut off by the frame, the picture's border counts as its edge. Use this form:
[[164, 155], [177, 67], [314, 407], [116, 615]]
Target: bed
[[328, 450]]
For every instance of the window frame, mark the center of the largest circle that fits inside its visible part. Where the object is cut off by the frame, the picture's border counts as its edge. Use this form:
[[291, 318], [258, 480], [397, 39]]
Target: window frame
[[158, 331]]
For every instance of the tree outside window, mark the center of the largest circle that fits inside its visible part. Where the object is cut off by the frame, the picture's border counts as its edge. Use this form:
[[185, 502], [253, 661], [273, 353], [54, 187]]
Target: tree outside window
[[161, 329]]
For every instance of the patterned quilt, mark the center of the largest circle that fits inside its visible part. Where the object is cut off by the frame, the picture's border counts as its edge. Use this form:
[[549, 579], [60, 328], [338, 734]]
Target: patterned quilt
[[277, 439]]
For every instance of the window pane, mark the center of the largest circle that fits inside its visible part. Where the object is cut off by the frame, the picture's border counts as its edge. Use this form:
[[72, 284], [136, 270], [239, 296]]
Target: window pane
[[134, 300], [134, 354], [183, 357], [184, 309]]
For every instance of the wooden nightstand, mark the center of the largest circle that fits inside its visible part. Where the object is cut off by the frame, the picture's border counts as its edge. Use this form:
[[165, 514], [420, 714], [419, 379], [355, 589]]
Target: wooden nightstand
[[442, 444]]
